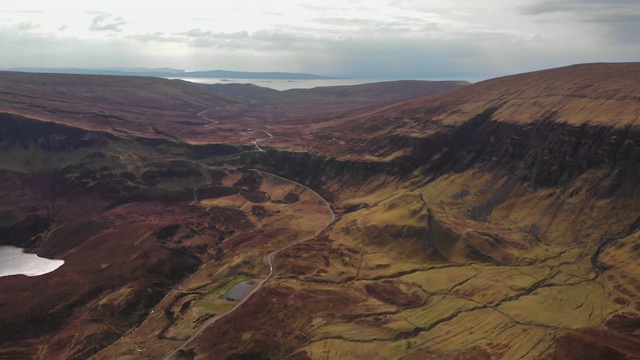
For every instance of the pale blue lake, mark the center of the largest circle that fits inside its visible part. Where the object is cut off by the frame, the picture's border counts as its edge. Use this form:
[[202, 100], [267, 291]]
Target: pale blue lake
[[14, 261]]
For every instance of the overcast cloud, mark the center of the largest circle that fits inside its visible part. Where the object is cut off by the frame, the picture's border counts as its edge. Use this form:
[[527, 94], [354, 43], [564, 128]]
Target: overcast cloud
[[332, 37], [107, 22]]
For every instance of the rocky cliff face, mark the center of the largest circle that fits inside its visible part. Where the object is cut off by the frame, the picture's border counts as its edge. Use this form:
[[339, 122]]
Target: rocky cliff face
[[582, 96], [544, 153], [47, 136], [322, 172]]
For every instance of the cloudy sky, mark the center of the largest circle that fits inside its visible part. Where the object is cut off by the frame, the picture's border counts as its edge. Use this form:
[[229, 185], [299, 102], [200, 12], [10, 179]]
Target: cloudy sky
[[324, 37]]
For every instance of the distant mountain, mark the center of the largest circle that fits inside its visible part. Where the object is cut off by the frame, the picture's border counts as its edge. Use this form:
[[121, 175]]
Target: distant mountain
[[146, 70], [245, 91], [309, 105], [169, 72], [467, 76], [367, 94], [161, 72]]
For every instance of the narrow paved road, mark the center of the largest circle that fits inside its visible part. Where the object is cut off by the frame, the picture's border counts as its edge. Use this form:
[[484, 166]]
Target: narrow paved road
[[333, 218], [254, 142], [201, 114], [270, 256]]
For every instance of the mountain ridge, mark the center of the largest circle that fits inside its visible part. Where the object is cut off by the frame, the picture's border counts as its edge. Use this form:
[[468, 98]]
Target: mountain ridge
[[169, 72], [585, 94]]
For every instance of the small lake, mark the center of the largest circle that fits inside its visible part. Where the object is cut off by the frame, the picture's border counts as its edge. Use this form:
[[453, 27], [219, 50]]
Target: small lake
[[14, 261], [239, 290]]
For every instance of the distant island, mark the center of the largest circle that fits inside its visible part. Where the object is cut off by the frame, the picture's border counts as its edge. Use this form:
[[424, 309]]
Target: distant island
[[253, 75], [169, 72]]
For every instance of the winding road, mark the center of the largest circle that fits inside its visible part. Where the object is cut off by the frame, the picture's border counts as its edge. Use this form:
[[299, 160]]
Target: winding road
[[254, 142], [270, 256], [201, 114]]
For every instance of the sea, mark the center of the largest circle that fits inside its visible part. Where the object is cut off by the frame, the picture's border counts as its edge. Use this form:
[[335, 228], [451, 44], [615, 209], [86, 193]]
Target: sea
[[281, 84]]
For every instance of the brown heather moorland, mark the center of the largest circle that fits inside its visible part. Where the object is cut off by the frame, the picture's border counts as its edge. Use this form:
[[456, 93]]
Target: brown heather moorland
[[496, 221]]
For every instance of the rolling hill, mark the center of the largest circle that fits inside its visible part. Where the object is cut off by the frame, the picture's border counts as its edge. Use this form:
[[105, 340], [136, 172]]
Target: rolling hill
[[594, 95]]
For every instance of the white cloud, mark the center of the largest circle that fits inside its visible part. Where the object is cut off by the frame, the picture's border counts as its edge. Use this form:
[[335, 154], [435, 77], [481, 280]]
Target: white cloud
[[156, 37], [619, 18], [330, 37], [26, 26], [107, 22]]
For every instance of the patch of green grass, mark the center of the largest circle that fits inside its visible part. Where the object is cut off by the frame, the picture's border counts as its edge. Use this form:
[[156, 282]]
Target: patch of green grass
[[217, 307], [211, 303]]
